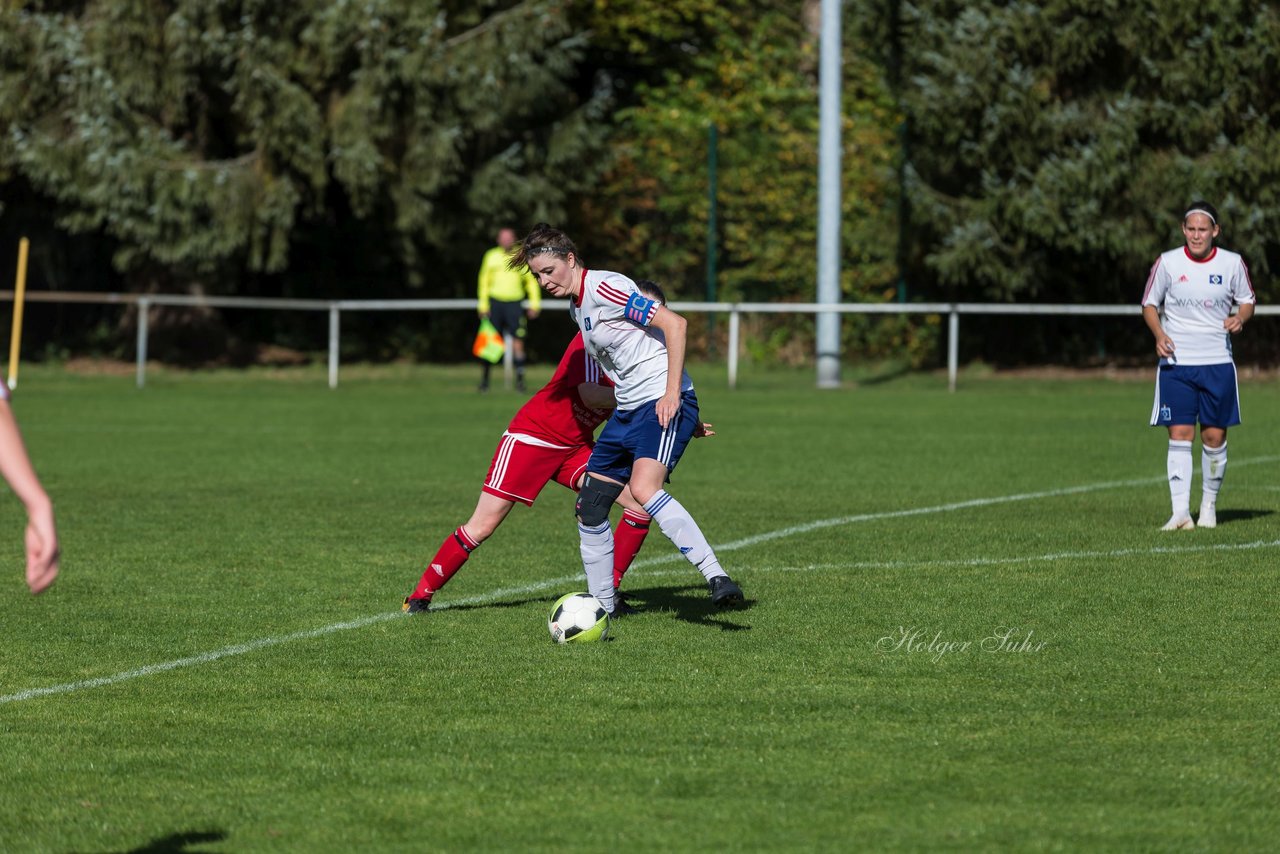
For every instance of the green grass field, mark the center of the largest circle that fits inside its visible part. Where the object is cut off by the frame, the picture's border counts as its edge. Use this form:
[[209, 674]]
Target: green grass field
[[227, 668]]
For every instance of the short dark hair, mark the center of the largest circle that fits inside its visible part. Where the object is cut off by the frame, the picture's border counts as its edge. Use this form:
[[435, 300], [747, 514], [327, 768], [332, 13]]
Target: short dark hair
[[651, 289], [542, 238], [1204, 208]]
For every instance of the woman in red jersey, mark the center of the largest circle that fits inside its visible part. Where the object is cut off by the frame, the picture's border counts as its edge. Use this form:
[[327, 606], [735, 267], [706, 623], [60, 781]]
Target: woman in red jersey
[[548, 440]]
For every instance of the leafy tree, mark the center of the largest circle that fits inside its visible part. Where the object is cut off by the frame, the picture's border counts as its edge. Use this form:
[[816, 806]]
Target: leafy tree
[[749, 69], [220, 141], [1052, 146]]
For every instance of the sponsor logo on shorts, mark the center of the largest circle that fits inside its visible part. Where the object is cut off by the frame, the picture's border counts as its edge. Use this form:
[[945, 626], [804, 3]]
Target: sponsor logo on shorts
[[1166, 414]]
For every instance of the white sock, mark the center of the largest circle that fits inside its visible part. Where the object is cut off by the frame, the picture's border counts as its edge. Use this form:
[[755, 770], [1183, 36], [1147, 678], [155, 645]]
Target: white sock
[[1179, 469], [679, 528], [596, 545], [1213, 467]]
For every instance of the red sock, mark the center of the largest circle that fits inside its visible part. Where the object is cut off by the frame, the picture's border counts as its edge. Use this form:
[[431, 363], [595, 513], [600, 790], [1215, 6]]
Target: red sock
[[453, 553], [632, 529]]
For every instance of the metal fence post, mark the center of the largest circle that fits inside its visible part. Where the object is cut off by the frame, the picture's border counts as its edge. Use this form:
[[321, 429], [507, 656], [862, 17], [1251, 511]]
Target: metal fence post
[[144, 309], [333, 344], [734, 321], [508, 361], [953, 348]]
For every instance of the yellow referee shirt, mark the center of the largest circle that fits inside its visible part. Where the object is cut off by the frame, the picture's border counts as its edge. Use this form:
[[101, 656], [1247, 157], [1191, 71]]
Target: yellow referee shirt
[[498, 282]]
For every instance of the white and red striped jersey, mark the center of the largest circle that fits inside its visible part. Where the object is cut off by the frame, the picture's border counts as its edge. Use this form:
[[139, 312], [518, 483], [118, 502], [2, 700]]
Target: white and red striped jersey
[[556, 415], [1196, 296], [614, 317]]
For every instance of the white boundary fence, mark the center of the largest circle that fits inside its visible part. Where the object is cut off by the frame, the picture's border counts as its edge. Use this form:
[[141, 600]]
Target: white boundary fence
[[735, 310]]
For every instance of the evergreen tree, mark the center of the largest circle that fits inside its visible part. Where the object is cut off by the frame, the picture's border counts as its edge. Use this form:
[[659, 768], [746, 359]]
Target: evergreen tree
[[210, 139], [749, 68], [1053, 146]]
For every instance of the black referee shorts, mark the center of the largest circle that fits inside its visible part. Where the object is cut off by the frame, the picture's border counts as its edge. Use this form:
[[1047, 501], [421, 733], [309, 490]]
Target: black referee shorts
[[507, 317]]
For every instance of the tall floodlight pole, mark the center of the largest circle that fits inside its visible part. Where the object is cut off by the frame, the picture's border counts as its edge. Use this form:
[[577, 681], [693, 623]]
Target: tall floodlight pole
[[829, 71], [712, 157]]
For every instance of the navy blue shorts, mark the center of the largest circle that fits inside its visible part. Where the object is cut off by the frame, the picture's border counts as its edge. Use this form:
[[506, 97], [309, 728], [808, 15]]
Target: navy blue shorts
[[1187, 394], [636, 434]]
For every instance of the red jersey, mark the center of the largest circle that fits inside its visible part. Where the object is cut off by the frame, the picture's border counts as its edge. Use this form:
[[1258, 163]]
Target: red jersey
[[556, 413]]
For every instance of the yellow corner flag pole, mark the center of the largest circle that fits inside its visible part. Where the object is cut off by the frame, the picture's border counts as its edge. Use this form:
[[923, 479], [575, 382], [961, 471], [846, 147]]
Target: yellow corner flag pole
[[19, 291]]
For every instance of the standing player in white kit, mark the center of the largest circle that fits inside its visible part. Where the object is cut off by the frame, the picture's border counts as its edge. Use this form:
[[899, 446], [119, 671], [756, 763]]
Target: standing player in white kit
[[1194, 288], [640, 345]]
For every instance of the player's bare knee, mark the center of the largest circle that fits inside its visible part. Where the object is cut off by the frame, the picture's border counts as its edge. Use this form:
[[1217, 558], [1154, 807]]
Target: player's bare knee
[[595, 500]]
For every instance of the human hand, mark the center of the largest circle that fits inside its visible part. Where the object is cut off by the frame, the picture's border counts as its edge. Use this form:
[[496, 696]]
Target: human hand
[[532, 313], [666, 408], [1233, 324], [703, 429], [42, 550], [1164, 347]]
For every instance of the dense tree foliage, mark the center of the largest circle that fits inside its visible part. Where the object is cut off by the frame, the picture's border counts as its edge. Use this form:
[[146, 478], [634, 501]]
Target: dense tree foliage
[[750, 69], [752, 73], [217, 139], [1052, 146], [993, 150]]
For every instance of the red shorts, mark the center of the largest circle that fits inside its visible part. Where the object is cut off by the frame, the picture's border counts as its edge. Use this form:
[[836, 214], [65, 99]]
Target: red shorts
[[519, 469]]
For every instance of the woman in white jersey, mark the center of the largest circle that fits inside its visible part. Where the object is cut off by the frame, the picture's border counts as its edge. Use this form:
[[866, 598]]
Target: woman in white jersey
[[1187, 306], [640, 345]]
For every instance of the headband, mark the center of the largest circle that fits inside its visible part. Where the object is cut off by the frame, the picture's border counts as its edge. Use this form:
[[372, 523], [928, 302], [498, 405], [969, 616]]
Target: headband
[[1200, 210]]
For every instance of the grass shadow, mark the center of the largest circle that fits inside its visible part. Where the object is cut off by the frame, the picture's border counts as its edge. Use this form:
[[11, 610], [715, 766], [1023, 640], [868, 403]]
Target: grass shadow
[[479, 606], [688, 603], [1226, 516], [884, 373], [179, 843]]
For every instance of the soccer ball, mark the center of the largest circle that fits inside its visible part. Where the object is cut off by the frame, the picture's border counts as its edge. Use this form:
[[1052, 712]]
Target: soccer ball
[[578, 617]]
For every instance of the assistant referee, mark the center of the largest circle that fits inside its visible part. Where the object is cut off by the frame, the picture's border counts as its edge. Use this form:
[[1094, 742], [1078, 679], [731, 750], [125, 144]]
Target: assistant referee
[[499, 295]]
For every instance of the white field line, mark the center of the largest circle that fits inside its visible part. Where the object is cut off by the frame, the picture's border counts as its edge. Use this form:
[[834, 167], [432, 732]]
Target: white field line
[[203, 658], [497, 595], [1008, 561], [959, 505]]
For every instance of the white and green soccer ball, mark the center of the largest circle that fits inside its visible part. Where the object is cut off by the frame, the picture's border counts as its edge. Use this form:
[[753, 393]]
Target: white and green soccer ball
[[578, 618]]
